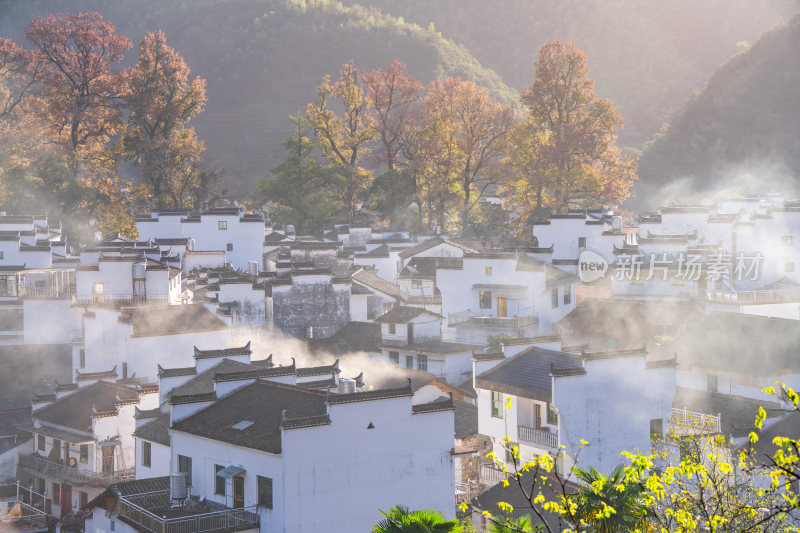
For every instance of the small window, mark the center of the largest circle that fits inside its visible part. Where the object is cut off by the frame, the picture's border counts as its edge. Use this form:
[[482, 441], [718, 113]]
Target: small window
[[488, 270], [712, 383], [1, 254], [422, 362], [409, 361], [395, 356], [124, 370], [85, 454], [552, 415], [147, 454], [229, 247], [83, 497], [567, 295], [786, 240], [416, 283], [392, 329], [485, 299], [789, 267], [510, 452], [57, 447], [554, 297], [222, 224], [57, 494], [185, 466], [264, 492], [40, 443], [497, 404], [82, 358], [219, 481], [656, 428], [581, 242]]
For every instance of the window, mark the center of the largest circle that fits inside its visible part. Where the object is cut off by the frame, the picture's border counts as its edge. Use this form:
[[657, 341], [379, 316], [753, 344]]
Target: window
[[581, 242], [554, 297], [656, 428], [56, 494], [147, 454], [82, 358], [185, 466], [422, 362], [789, 267], [84, 454], [219, 481], [488, 270], [416, 283], [1, 254], [712, 383], [552, 414], [124, 370], [497, 404], [83, 497], [40, 443], [395, 356], [485, 298], [392, 329], [264, 492], [409, 361], [222, 224], [567, 295], [786, 240], [229, 246], [57, 447]]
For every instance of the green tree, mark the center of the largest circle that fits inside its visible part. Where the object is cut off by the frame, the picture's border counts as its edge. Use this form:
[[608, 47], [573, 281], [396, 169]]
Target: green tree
[[608, 503], [303, 191], [400, 520]]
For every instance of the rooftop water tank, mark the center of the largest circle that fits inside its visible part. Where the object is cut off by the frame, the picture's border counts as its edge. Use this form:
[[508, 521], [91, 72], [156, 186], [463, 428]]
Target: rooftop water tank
[[177, 486], [347, 385], [140, 270]]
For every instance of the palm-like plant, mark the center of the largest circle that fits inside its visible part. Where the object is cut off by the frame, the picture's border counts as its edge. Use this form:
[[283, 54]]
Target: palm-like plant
[[400, 520], [608, 504], [514, 526]]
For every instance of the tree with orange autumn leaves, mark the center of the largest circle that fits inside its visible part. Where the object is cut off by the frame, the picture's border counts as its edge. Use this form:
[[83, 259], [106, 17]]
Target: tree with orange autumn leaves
[[449, 147], [69, 113]]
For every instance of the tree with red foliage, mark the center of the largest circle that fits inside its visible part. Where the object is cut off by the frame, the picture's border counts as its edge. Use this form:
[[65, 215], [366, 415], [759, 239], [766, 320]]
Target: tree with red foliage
[[83, 84]]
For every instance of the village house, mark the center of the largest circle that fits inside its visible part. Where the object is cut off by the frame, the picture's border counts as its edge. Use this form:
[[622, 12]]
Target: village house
[[82, 439], [228, 232]]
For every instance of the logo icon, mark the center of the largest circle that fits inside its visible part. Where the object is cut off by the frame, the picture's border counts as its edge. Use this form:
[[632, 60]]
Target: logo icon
[[591, 266]]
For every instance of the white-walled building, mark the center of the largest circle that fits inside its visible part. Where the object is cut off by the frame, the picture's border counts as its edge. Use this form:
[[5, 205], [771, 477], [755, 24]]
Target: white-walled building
[[238, 236]]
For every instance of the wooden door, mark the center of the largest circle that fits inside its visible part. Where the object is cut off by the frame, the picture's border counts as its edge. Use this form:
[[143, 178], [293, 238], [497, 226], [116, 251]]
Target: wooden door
[[107, 458], [538, 416], [410, 333], [502, 307], [66, 499], [238, 492]]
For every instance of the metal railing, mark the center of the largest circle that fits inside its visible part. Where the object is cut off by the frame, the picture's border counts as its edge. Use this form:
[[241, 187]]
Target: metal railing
[[538, 436], [766, 296], [524, 318], [465, 492], [683, 421], [73, 474], [136, 509], [491, 475], [48, 293], [20, 516], [119, 299], [652, 290]]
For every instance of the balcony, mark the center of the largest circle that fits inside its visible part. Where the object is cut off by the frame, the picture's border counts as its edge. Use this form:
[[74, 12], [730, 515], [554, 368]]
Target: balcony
[[525, 318], [766, 296], [538, 437], [152, 512], [653, 291], [119, 299], [72, 475], [22, 517], [47, 293], [685, 422], [491, 475]]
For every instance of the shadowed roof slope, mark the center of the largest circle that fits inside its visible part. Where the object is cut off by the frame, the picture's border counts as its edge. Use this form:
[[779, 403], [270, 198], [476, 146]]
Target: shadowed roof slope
[[527, 374], [75, 410], [261, 403], [171, 320]]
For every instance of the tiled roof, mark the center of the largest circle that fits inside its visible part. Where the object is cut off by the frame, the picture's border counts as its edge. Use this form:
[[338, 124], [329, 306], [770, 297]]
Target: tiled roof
[[75, 410], [366, 396], [319, 370], [430, 243], [203, 383], [401, 314], [737, 414], [439, 404], [357, 289], [225, 352], [425, 267], [156, 430], [263, 403], [171, 320], [527, 374], [373, 281], [381, 251], [465, 419], [352, 337]]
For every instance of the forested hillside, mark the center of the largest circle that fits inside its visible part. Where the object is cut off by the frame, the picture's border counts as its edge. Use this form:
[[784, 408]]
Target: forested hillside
[[647, 56], [745, 122], [263, 58]]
